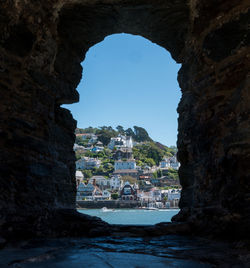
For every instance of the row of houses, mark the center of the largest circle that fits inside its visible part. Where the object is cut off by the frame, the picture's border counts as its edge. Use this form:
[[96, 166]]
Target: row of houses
[[92, 138], [170, 162], [92, 191], [115, 183], [98, 147], [88, 163]]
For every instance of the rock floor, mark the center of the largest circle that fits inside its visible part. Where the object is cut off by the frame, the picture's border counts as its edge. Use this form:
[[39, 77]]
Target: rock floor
[[129, 252]]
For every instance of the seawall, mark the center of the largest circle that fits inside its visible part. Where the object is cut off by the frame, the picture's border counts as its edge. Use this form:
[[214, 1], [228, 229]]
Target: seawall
[[107, 204]]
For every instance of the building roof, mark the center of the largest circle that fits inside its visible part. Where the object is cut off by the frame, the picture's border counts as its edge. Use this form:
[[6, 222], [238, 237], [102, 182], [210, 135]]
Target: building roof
[[95, 177], [128, 160], [79, 173], [125, 171]]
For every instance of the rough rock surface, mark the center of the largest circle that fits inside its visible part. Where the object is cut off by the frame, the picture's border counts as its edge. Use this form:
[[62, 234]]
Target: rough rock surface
[[42, 44], [167, 251]]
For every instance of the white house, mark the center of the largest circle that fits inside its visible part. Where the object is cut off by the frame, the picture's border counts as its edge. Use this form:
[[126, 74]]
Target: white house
[[128, 164], [174, 163], [144, 196], [88, 163], [106, 195], [129, 141], [93, 139], [174, 194], [79, 177], [88, 192], [101, 181], [120, 142], [116, 183], [165, 163], [170, 162], [156, 194]]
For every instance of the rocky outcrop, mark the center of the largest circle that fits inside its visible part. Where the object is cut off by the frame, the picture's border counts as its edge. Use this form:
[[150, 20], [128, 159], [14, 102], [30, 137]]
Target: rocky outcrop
[[41, 47]]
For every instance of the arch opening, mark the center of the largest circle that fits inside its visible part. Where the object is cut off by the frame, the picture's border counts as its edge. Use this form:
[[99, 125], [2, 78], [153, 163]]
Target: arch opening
[[128, 81]]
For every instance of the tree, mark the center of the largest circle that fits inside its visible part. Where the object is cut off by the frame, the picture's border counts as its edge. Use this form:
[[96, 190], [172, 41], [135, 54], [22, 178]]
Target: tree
[[140, 134], [105, 137], [120, 129], [159, 173], [154, 174], [130, 132], [150, 162], [87, 173], [114, 196]]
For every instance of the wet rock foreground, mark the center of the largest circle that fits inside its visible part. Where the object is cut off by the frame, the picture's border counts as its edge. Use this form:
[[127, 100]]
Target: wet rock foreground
[[116, 251]]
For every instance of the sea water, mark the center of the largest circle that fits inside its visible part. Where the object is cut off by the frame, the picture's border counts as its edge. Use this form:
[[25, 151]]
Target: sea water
[[132, 216]]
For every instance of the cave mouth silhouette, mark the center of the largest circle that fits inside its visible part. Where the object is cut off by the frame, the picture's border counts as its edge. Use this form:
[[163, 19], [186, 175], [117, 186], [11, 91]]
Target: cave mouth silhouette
[[37, 135]]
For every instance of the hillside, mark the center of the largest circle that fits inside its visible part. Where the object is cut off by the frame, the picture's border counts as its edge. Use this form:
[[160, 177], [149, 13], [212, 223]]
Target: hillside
[[146, 151]]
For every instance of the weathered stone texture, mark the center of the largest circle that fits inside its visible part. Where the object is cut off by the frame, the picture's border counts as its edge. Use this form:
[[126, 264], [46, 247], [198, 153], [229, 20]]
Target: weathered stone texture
[[41, 47]]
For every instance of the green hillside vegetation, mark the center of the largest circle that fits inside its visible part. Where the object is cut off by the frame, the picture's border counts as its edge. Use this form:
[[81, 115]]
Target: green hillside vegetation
[[151, 153], [146, 153]]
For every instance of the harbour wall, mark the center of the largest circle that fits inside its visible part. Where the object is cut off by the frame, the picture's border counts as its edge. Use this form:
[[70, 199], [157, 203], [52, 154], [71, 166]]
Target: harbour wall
[[117, 204], [107, 204]]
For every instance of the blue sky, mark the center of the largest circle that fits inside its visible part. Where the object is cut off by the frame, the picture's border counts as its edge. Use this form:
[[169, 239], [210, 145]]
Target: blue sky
[[128, 80]]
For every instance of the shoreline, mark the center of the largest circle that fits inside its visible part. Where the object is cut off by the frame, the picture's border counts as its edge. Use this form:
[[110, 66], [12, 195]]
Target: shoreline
[[114, 204]]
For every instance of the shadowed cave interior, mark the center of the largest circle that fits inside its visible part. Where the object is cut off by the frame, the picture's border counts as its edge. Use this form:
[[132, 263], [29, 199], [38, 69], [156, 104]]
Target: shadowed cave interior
[[42, 46]]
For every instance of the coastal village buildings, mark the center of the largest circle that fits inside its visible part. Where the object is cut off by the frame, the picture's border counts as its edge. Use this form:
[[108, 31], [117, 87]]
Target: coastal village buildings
[[150, 188], [116, 183], [123, 153], [173, 194], [128, 193], [126, 172], [79, 177], [88, 163], [128, 164], [165, 163], [86, 191], [120, 142], [148, 196], [170, 162], [78, 147], [91, 192], [100, 181], [92, 138], [98, 147]]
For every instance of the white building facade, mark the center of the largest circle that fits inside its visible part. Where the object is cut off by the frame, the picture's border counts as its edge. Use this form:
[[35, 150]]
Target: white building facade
[[116, 183], [165, 163], [120, 142], [101, 181], [79, 177], [128, 164], [170, 162], [88, 163]]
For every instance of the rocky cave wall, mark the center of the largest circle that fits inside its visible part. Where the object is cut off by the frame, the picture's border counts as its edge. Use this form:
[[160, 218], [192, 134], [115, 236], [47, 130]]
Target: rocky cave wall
[[41, 47]]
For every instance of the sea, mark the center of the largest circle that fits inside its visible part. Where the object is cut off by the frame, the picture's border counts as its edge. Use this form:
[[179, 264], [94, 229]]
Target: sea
[[132, 216]]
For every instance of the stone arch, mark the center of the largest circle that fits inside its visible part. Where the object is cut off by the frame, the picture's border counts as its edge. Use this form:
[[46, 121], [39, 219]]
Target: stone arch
[[37, 135]]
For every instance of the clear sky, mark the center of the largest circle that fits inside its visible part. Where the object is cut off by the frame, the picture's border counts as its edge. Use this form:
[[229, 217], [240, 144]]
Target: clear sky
[[128, 80]]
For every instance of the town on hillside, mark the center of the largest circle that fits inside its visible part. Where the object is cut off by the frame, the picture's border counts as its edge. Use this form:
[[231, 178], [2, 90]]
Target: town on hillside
[[124, 169]]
